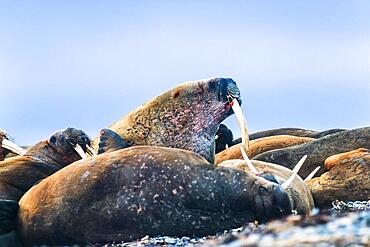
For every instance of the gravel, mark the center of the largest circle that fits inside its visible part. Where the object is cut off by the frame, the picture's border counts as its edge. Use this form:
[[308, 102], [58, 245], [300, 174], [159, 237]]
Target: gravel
[[346, 224]]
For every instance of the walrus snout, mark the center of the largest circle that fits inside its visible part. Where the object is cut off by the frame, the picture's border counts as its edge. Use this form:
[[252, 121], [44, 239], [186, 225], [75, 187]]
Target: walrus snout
[[228, 90], [272, 202], [70, 140]]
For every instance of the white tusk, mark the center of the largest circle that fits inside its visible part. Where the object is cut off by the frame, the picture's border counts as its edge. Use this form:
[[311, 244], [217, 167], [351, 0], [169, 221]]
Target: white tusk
[[289, 181], [249, 163], [13, 147], [241, 122], [312, 174], [80, 151], [216, 137], [90, 150]]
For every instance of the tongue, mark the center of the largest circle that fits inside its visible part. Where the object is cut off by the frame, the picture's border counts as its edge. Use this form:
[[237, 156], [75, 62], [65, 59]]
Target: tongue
[[241, 122]]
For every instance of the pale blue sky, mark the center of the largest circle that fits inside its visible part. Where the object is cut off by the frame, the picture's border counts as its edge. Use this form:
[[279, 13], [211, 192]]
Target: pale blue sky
[[85, 64]]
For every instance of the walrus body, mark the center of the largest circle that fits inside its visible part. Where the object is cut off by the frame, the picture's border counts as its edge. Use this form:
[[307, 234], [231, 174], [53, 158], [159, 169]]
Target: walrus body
[[186, 117], [318, 150], [261, 145], [144, 190], [291, 132], [348, 179], [299, 194]]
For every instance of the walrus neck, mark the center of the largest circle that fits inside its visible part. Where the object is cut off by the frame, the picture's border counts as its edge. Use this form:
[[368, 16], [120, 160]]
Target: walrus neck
[[181, 123], [43, 151]]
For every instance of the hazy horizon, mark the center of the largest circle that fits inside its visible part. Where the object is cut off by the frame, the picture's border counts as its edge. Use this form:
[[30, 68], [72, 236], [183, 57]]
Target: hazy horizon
[[85, 64]]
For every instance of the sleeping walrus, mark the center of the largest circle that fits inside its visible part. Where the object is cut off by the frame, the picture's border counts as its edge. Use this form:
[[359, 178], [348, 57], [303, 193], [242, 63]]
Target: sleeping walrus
[[144, 190]]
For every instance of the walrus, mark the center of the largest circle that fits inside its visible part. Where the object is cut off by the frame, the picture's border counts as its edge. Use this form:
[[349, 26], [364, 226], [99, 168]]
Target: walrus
[[7, 146], [299, 194], [318, 150], [186, 117], [290, 131], [261, 145], [348, 179], [18, 174], [144, 190]]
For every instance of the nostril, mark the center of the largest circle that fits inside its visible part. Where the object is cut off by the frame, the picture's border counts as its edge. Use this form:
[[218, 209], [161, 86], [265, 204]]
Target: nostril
[[263, 190]]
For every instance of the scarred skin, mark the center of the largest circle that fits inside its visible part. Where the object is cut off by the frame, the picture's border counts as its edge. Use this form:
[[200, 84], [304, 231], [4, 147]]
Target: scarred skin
[[348, 178], [20, 173], [299, 194], [261, 145], [144, 190], [318, 150], [186, 117]]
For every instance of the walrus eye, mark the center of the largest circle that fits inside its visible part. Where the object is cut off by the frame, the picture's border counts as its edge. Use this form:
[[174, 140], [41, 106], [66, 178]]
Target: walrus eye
[[53, 139]]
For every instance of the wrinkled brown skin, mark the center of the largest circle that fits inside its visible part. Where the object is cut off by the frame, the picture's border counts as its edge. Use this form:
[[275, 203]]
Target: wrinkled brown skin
[[318, 150], [143, 190], [18, 174], [299, 194], [186, 117], [260, 146], [347, 180], [290, 131]]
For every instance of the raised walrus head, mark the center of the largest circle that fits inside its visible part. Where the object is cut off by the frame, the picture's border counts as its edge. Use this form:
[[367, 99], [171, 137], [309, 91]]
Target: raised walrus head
[[7, 146], [186, 117]]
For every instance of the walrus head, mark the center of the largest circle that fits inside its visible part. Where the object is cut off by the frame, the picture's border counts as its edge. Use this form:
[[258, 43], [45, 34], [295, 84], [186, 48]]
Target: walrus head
[[7, 146], [62, 148], [271, 200], [186, 117]]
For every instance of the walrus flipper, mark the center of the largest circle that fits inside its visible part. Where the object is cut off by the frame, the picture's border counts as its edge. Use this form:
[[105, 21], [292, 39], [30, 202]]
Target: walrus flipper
[[110, 141]]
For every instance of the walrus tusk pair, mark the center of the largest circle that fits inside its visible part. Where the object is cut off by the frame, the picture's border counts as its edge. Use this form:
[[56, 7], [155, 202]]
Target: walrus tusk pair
[[89, 151], [13, 147], [289, 181]]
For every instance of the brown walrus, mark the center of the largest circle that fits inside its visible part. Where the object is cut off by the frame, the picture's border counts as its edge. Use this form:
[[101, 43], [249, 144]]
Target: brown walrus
[[261, 145], [186, 117], [144, 190], [290, 131], [20, 173], [318, 150], [348, 178], [299, 194]]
